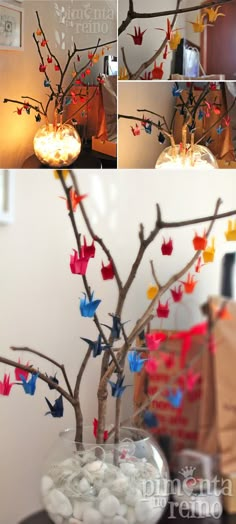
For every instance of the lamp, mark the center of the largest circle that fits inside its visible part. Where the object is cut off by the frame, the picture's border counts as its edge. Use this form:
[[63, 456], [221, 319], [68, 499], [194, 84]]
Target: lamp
[[57, 145]]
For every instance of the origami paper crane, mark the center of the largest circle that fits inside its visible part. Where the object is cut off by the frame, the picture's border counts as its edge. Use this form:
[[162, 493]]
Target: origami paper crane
[[88, 307], [136, 130], [176, 91], [123, 74], [55, 380], [46, 83], [168, 31], [177, 294], [209, 141], [44, 42], [165, 54], [57, 409], [88, 251], [38, 117], [138, 35], [117, 388], [148, 128], [213, 13], [157, 71], [189, 380], [152, 292], [5, 385], [175, 40], [30, 386], [38, 32], [135, 361], [22, 372], [95, 430], [186, 337], [56, 67], [199, 24], [230, 234], [42, 68], [161, 138], [116, 327], [199, 243], [220, 129], [19, 110], [216, 109], [189, 284], [96, 346], [49, 59], [163, 310], [96, 58], [169, 360], [150, 419], [78, 265], [200, 114], [175, 398], [74, 198], [151, 366], [226, 121], [107, 271], [167, 247], [154, 339], [209, 253], [199, 265]]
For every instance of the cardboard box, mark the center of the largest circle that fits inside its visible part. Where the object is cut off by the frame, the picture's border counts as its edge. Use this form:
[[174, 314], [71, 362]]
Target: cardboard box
[[229, 493], [104, 146]]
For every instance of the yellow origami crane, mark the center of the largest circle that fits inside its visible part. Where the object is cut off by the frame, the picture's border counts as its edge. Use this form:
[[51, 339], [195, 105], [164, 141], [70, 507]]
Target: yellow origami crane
[[231, 233], [123, 74], [152, 292], [209, 253], [199, 25], [64, 173], [95, 58], [175, 40], [213, 13]]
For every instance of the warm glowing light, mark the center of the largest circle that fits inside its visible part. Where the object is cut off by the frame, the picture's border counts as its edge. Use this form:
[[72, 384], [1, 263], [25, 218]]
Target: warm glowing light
[[57, 147], [198, 157]]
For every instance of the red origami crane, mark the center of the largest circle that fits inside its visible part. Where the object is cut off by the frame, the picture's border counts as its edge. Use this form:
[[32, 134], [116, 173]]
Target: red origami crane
[[200, 243], [167, 247], [56, 67], [42, 68], [165, 54], [44, 42], [199, 265], [163, 310], [189, 284], [190, 380], [21, 372], [135, 130], [154, 339], [169, 360], [88, 251], [138, 35], [95, 430], [226, 121], [75, 199], [19, 110], [177, 294], [6, 385], [107, 271], [157, 72], [186, 336], [78, 265], [49, 59]]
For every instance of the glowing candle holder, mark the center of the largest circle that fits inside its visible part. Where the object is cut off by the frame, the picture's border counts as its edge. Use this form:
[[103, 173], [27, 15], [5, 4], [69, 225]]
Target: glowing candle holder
[[57, 146], [195, 156]]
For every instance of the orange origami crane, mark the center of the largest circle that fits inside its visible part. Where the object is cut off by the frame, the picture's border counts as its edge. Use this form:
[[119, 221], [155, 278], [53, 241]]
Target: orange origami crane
[[189, 284], [152, 292], [213, 13], [157, 72], [200, 243], [209, 253], [199, 24], [230, 234], [74, 198]]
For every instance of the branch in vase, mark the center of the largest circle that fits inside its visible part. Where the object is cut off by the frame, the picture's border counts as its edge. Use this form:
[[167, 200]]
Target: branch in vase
[[42, 62], [47, 46], [83, 105], [23, 104]]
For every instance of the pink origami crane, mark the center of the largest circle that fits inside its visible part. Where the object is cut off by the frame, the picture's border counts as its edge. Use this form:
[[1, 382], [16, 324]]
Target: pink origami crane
[[138, 35], [78, 265], [163, 310], [88, 251], [177, 294], [6, 385], [154, 339], [21, 372], [107, 271], [167, 247], [169, 360], [189, 380], [135, 130]]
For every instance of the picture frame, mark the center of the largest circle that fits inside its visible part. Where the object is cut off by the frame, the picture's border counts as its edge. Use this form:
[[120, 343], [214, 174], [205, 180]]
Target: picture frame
[[6, 197], [11, 27]]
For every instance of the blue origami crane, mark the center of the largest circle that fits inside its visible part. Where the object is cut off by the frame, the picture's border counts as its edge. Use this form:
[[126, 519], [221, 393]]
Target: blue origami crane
[[148, 128], [150, 419], [175, 398], [30, 386], [88, 308], [57, 409], [176, 91], [96, 346], [135, 361], [116, 327], [53, 379], [220, 129], [46, 83], [68, 101], [200, 114], [161, 138], [117, 388], [209, 141]]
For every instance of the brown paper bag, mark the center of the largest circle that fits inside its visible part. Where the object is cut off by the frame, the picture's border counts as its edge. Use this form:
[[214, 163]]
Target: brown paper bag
[[217, 417]]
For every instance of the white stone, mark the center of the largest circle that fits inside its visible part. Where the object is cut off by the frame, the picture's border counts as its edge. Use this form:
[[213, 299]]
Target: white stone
[[109, 506], [143, 511], [123, 510], [120, 485], [128, 469], [57, 519], [74, 521], [56, 502], [104, 492], [46, 485], [94, 466], [131, 516], [92, 516], [119, 520], [79, 508], [84, 485], [133, 495]]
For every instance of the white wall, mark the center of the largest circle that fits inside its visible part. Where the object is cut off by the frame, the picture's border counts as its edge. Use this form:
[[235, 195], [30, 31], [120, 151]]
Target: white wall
[[19, 70], [39, 296], [152, 40]]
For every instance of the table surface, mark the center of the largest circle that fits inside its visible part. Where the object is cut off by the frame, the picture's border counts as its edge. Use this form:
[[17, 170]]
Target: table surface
[[87, 159]]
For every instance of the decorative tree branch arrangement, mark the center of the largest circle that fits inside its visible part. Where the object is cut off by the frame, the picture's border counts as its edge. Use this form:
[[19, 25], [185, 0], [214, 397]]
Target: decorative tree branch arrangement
[[65, 92], [210, 13], [194, 108], [119, 345]]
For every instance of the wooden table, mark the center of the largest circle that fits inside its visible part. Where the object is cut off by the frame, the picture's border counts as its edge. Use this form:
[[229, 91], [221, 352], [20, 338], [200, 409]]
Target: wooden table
[[87, 159]]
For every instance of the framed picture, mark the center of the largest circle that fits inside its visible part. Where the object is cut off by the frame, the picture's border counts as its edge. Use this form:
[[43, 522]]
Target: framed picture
[[6, 196], [11, 27]]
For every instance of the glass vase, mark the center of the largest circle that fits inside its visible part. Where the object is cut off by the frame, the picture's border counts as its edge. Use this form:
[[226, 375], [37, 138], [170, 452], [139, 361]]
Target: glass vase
[[125, 483], [57, 146], [197, 156]]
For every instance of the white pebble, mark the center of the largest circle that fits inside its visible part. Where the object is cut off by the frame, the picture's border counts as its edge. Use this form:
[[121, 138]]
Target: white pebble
[[57, 519], [128, 469], [123, 510], [92, 516], [104, 492], [46, 485], [131, 516], [133, 495], [109, 506], [84, 485], [94, 466], [119, 520], [75, 521], [56, 502], [79, 508], [120, 485], [143, 511]]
